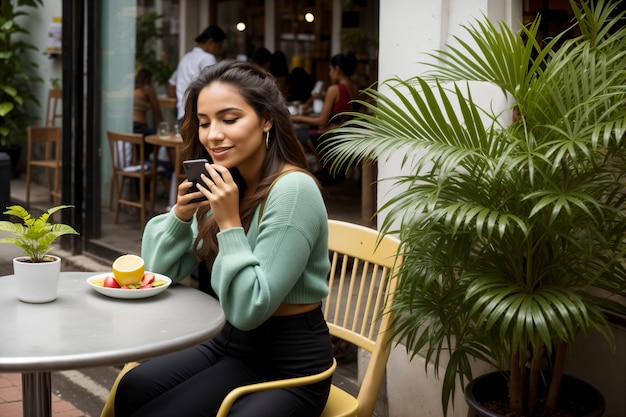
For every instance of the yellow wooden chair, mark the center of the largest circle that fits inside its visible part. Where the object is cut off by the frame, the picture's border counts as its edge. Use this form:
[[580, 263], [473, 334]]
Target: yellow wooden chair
[[361, 287]]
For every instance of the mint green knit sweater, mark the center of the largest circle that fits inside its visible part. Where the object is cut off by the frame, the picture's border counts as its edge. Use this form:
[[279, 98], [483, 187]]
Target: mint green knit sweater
[[282, 259]]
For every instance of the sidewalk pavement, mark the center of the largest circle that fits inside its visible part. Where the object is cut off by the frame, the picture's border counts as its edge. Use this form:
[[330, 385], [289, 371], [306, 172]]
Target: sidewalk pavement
[[11, 399]]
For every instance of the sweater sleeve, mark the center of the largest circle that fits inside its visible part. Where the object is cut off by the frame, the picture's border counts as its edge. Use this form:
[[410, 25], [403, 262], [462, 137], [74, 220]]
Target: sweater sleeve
[[253, 275], [167, 246]]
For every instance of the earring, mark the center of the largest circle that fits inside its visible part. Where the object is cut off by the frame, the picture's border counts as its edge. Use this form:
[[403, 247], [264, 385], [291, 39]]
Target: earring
[[267, 139]]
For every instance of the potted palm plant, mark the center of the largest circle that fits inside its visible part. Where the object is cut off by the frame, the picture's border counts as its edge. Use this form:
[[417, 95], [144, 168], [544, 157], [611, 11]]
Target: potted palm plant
[[36, 273], [513, 232]]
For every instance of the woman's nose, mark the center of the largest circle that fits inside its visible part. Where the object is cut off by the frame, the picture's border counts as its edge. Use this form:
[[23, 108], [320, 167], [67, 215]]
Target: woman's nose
[[214, 133]]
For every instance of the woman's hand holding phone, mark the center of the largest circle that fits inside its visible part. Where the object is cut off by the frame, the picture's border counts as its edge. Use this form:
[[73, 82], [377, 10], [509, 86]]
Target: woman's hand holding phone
[[217, 188], [189, 197]]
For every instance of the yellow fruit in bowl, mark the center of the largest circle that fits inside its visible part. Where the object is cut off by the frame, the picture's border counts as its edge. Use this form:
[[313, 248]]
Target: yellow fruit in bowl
[[128, 269]]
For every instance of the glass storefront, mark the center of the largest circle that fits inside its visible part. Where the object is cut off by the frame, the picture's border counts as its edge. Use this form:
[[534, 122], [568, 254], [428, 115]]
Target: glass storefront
[[154, 34]]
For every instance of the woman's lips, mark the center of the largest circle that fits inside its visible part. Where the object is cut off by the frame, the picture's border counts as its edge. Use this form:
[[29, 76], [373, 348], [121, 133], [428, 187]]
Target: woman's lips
[[219, 152]]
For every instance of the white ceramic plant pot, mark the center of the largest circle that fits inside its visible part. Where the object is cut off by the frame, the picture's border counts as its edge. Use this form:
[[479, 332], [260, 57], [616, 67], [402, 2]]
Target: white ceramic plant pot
[[37, 282]]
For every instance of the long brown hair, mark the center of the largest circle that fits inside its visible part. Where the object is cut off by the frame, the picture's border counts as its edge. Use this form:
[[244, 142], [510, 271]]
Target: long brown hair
[[259, 89]]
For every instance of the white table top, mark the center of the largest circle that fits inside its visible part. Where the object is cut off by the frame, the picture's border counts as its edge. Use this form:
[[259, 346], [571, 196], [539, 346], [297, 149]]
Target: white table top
[[84, 329]]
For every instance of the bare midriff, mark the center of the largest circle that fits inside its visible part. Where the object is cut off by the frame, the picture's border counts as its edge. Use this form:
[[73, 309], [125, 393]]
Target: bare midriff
[[293, 309]]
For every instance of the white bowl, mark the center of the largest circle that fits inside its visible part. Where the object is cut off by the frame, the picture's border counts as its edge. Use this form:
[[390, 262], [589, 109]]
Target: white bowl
[[127, 293]]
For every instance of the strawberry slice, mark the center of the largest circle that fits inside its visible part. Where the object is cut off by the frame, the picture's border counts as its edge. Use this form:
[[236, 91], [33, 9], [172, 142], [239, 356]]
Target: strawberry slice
[[148, 278]]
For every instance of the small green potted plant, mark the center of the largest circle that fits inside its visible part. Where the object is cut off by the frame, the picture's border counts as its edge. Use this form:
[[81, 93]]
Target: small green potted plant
[[37, 272], [513, 232]]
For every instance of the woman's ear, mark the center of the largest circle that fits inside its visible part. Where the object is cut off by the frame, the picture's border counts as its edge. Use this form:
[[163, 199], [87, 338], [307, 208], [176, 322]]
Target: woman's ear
[[267, 125]]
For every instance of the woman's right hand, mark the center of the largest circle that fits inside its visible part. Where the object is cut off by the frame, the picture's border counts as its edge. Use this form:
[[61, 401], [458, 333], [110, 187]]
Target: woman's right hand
[[185, 206]]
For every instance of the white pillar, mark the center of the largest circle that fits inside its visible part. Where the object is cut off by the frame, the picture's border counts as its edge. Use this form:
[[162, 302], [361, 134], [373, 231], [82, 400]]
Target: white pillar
[[270, 24], [409, 29]]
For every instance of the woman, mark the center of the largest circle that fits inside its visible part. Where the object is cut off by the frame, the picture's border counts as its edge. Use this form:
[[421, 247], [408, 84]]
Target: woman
[[338, 95], [337, 100], [269, 266], [145, 100]]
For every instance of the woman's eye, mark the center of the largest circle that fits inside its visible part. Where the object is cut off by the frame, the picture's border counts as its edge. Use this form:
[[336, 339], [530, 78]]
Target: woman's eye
[[230, 121], [204, 125]]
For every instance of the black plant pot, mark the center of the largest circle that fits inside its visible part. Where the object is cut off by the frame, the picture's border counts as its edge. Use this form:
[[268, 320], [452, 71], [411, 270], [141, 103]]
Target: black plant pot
[[15, 153], [577, 396]]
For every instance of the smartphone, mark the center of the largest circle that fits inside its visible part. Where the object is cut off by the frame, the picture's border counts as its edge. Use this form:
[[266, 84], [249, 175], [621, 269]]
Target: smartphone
[[193, 169]]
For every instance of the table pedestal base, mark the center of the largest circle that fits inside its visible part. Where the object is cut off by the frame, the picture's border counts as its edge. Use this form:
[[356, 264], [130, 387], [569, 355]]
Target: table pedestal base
[[36, 394]]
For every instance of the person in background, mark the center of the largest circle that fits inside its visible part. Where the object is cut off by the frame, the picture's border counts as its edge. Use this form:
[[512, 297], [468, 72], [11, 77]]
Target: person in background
[[300, 85], [338, 95], [262, 57], [280, 70], [337, 100], [263, 233], [209, 46], [145, 100]]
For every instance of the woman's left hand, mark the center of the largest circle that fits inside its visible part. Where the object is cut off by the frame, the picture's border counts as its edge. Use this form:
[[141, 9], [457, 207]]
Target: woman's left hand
[[223, 195]]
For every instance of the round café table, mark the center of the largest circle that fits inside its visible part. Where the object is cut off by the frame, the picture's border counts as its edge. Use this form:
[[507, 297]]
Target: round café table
[[83, 328], [173, 143]]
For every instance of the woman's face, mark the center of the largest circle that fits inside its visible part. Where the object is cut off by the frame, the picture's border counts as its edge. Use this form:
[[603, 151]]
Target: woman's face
[[333, 73], [230, 129]]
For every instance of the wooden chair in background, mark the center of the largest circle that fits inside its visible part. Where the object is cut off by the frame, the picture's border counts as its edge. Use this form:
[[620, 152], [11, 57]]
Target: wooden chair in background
[[54, 110], [46, 141], [43, 148], [128, 162]]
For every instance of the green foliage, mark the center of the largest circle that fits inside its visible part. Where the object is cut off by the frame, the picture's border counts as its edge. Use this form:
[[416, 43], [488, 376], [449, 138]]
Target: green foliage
[[35, 235], [17, 73], [513, 233], [146, 55]]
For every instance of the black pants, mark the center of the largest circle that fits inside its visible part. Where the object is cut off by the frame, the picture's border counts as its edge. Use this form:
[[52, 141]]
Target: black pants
[[193, 382]]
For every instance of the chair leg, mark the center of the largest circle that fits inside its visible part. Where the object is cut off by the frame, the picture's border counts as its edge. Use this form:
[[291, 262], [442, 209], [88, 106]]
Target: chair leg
[[28, 173], [111, 190], [118, 193], [48, 174], [153, 180], [142, 202], [108, 410], [56, 194]]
